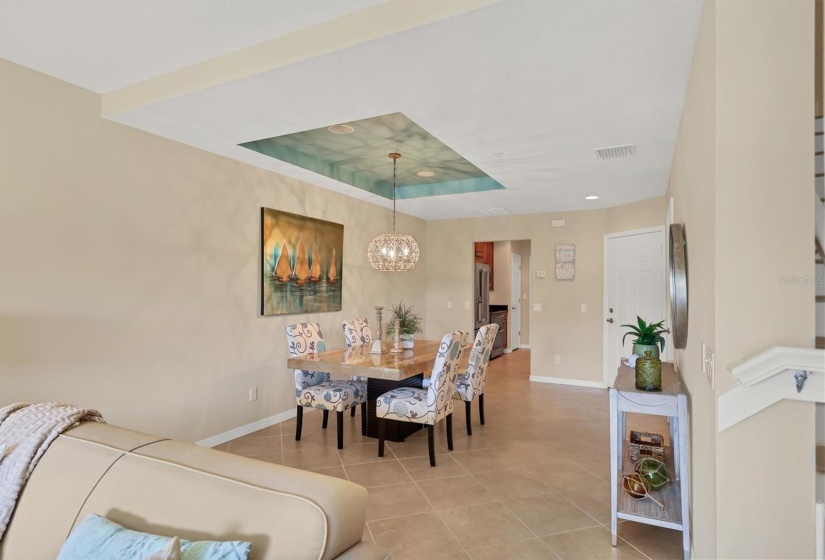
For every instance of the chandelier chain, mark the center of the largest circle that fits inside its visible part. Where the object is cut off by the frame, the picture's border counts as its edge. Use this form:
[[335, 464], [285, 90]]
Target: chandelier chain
[[394, 161]]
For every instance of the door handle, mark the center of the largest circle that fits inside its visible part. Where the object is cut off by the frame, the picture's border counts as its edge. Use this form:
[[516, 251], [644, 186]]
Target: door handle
[[610, 320]]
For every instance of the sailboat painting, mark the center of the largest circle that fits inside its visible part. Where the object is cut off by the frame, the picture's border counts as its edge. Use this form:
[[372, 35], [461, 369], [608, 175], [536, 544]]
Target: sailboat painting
[[301, 264]]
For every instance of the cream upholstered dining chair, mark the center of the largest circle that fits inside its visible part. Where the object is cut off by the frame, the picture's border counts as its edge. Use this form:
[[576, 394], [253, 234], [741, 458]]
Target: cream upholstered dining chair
[[357, 332], [313, 388], [426, 406], [470, 384]]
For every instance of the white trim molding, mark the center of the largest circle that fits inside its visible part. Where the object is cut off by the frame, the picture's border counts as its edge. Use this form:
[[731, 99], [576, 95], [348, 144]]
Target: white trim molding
[[768, 378], [247, 429], [566, 381], [525, 346]]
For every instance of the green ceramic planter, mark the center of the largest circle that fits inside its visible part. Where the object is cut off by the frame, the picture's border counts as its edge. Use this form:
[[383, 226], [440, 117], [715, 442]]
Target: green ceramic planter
[[640, 349]]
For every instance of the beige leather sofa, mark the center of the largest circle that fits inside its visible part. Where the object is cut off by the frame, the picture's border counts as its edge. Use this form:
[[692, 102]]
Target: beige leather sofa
[[169, 487]]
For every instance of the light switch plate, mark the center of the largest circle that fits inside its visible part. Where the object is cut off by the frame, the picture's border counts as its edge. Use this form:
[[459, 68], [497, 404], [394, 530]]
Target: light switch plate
[[558, 359], [584, 308], [557, 223], [541, 274], [536, 307]]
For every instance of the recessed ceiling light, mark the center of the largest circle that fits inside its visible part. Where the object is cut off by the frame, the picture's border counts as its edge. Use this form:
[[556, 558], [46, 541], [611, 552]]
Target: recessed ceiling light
[[341, 129], [591, 197], [426, 173]]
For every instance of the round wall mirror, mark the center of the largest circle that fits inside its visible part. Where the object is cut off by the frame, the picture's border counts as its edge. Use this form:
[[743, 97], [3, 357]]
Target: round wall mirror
[[678, 286]]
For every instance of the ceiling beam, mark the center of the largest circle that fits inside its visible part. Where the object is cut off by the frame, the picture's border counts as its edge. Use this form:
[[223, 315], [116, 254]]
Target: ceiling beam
[[387, 18]]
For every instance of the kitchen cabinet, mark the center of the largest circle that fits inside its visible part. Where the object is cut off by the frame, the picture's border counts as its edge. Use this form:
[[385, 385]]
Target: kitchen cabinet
[[484, 255]]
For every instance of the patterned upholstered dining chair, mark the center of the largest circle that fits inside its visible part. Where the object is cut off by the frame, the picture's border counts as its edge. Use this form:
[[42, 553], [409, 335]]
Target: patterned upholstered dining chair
[[425, 406], [357, 332], [314, 389], [470, 384]]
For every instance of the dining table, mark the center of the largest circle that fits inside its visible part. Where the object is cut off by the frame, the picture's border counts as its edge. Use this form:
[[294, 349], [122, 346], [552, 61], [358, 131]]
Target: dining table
[[384, 372]]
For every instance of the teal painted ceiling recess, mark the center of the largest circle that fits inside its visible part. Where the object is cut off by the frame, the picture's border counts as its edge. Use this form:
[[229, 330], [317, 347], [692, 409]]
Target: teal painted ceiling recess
[[428, 166]]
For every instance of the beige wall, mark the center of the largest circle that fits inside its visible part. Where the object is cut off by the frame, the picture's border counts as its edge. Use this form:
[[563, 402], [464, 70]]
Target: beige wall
[[741, 180], [560, 328], [129, 277]]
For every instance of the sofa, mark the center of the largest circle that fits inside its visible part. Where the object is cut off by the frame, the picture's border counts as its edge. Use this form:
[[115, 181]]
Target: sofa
[[168, 487]]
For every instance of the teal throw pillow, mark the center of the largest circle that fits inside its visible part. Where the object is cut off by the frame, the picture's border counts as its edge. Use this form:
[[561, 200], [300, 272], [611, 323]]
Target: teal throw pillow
[[97, 537]]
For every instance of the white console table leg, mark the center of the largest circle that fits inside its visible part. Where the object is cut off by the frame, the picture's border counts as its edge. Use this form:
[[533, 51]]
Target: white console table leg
[[615, 459]]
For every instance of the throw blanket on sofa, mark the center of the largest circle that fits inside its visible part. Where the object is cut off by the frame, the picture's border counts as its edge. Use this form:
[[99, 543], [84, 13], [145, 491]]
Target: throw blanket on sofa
[[26, 431]]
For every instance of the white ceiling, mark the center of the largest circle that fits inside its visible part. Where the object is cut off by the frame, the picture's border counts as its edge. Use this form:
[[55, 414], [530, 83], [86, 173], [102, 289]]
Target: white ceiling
[[524, 89]]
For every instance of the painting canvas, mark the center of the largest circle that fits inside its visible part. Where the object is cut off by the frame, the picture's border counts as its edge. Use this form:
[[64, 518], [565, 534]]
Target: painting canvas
[[565, 262], [301, 264]]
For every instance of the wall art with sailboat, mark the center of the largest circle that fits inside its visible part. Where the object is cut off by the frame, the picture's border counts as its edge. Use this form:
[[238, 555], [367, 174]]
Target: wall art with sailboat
[[302, 261]]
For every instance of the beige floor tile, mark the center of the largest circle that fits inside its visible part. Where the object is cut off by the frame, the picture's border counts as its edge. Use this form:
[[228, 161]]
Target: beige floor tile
[[274, 430], [413, 447], [484, 525], [449, 556], [312, 459], [483, 460], [656, 543], [255, 446], [276, 458], [446, 493], [594, 500], [566, 477], [419, 467], [463, 442], [354, 454], [590, 544], [366, 536], [396, 500], [414, 536], [337, 472], [549, 514], [512, 484], [377, 474], [532, 549]]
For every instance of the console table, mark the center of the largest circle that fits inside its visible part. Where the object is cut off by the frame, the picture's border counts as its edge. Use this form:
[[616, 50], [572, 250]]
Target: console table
[[671, 401]]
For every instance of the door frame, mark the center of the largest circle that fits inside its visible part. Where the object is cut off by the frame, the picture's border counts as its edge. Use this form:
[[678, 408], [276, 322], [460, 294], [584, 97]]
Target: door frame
[[512, 324], [605, 280]]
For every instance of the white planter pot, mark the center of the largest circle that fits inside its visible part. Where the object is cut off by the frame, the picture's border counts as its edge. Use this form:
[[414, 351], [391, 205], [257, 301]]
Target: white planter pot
[[407, 341]]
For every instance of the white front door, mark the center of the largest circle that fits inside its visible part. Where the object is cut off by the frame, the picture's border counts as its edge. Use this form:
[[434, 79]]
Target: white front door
[[635, 286], [515, 303]]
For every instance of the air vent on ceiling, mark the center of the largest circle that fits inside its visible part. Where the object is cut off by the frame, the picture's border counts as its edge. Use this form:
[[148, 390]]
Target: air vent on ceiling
[[612, 152], [494, 212]]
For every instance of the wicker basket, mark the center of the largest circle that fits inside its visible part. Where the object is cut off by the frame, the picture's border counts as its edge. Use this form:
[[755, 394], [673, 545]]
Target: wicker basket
[[646, 444]]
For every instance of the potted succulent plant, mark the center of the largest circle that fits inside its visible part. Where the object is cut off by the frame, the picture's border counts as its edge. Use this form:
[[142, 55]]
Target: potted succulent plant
[[409, 324], [648, 337]]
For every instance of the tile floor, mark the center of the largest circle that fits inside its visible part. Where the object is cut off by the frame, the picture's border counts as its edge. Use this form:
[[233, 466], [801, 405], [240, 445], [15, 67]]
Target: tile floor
[[531, 483]]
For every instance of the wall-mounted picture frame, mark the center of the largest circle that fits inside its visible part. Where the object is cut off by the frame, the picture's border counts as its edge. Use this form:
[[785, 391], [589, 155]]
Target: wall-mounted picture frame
[[565, 262], [302, 265]]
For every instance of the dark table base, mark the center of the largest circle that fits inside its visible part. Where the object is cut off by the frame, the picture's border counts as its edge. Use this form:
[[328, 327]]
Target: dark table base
[[395, 431]]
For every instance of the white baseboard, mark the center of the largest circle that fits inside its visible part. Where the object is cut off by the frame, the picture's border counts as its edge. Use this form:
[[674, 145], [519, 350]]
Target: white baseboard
[[563, 381], [508, 350], [525, 346], [235, 433]]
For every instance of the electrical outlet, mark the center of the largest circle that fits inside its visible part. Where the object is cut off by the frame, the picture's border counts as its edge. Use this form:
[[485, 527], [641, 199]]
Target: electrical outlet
[[541, 274], [536, 307], [449, 304], [558, 359], [584, 308], [253, 394], [466, 305]]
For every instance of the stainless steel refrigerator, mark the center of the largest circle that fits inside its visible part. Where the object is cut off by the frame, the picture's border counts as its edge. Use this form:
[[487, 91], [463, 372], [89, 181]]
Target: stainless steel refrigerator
[[482, 296]]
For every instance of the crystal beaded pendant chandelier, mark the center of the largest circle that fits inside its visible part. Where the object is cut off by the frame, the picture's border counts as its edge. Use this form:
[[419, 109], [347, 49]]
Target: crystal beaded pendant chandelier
[[393, 252]]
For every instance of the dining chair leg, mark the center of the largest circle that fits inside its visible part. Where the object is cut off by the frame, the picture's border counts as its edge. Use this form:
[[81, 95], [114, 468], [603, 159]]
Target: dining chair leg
[[352, 412], [363, 418], [450, 431], [340, 415], [481, 408], [469, 415], [431, 443], [299, 422], [381, 427], [326, 420]]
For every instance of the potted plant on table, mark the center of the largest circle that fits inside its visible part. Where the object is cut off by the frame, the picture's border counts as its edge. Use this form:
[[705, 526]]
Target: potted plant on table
[[648, 337], [409, 324]]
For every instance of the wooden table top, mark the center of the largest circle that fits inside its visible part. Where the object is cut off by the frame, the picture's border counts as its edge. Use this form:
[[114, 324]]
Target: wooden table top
[[626, 381], [346, 362]]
